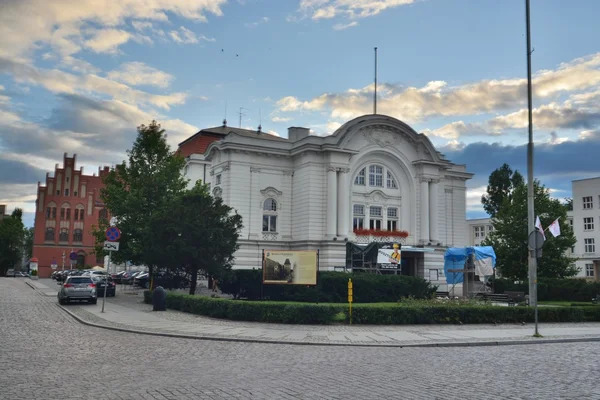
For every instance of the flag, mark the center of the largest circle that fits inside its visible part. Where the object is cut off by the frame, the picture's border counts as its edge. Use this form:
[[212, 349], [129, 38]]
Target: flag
[[554, 228], [538, 225]]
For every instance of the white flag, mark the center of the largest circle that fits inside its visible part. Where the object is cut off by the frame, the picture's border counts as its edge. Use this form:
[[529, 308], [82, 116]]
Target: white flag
[[554, 228], [538, 225]]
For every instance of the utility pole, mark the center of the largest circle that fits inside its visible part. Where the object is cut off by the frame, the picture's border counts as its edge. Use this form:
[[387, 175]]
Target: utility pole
[[530, 187], [375, 91]]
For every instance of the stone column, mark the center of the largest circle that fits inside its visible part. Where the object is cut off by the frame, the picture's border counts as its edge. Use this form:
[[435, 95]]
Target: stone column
[[433, 211], [424, 209], [331, 202], [343, 214]]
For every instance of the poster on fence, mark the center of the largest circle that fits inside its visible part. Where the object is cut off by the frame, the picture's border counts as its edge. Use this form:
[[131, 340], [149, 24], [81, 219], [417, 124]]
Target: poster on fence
[[390, 258], [290, 267]]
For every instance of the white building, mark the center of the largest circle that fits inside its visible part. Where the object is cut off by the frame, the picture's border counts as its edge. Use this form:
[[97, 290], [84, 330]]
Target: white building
[[586, 226], [311, 192], [477, 230]]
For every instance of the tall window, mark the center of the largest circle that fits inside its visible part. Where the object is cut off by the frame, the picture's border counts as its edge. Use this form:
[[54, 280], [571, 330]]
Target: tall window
[[588, 202], [375, 217], [103, 214], [392, 219], [79, 211], [51, 211], [49, 235], [66, 192], [360, 178], [65, 211], [479, 231], [375, 175], [218, 180], [64, 235], [68, 213], [588, 224], [590, 246], [391, 182], [589, 270], [269, 216], [78, 235], [358, 217]]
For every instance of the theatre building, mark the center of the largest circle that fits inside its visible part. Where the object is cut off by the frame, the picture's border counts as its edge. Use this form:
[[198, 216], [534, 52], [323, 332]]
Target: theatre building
[[314, 192], [67, 207]]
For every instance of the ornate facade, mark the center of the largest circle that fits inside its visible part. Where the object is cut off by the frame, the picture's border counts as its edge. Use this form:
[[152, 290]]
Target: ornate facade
[[313, 192]]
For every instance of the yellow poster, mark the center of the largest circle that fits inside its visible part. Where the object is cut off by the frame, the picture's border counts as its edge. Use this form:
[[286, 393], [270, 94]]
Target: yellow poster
[[290, 267]]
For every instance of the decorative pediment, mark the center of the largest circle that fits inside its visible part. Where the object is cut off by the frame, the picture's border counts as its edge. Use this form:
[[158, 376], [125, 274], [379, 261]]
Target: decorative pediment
[[270, 191], [377, 196]]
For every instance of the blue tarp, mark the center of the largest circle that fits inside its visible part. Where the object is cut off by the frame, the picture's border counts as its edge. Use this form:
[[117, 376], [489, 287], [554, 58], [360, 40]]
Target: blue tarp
[[456, 257]]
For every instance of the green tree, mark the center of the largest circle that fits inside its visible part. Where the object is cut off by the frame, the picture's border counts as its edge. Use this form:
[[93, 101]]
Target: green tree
[[569, 203], [135, 190], [501, 185], [11, 240], [197, 232], [28, 242], [509, 237]]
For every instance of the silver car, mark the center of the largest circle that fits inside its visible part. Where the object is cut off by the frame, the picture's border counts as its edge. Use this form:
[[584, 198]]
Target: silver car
[[78, 288]]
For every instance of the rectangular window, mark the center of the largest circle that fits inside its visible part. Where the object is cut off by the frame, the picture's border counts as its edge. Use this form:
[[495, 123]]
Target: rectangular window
[[392, 212], [48, 212], [392, 225], [68, 179], [68, 213], [358, 210], [590, 246], [589, 270], [433, 275], [218, 180], [53, 212], [76, 215], [75, 193], [358, 223], [477, 231], [375, 224], [375, 175], [588, 202], [573, 249], [58, 192], [66, 192], [490, 228], [588, 224], [375, 212], [62, 213], [269, 223]]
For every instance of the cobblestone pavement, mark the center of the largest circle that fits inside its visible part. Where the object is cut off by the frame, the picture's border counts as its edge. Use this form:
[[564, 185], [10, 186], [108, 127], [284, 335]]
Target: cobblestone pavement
[[46, 354]]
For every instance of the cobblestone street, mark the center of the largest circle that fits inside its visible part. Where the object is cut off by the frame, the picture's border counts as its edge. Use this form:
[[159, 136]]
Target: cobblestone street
[[46, 354]]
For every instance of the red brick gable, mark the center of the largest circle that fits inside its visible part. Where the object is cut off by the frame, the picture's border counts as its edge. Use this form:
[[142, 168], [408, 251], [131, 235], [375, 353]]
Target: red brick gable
[[197, 144]]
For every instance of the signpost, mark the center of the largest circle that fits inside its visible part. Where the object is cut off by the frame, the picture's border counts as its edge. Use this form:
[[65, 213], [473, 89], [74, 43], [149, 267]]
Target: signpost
[[72, 258], [53, 265], [113, 234], [350, 298]]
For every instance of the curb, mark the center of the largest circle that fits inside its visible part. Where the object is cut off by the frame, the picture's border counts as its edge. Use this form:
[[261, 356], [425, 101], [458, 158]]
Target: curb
[[388, 345]]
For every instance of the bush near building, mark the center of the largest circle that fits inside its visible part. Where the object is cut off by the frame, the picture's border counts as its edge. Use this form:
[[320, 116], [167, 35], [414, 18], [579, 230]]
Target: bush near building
[[553, 289], [403, 313], [332, 287]]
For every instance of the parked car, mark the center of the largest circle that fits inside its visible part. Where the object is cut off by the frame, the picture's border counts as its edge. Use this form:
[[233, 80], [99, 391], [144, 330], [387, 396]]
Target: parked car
[[111, 289], [78, 288], [11, 273], [128, 280]]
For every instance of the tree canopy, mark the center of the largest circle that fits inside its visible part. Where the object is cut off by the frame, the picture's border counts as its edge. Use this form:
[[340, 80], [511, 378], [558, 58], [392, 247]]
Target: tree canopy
[[501, 185], [510, 234], [197, 232], [12, 234]]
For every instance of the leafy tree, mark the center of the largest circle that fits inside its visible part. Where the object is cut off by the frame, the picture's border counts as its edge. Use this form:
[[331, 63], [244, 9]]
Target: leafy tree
[[28, 242], [11, 240], [569, 203], [197, 232], [501, 185], [509, 237], [135, 190]]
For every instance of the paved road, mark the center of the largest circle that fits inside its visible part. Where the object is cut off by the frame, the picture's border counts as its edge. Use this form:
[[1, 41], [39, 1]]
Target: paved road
[[46, 354]]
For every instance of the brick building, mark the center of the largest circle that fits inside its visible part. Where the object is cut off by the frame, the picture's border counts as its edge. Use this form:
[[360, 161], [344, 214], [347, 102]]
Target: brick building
[[67, 207]]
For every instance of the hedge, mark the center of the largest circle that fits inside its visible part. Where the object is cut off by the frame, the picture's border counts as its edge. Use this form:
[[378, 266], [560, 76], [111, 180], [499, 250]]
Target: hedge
[[332, 287], [372, 314], [553, 289]]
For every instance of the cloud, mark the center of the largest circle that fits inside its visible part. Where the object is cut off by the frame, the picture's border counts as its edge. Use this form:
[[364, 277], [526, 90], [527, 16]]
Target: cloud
[[280, 119], [254, 24], [341, 27], [28, 25], [437, 98], [327, 9], [139, 74], [107, 40], [185, 36]]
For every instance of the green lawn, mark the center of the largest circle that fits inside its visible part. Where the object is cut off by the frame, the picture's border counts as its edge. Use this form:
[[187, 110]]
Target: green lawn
[[565, 303]]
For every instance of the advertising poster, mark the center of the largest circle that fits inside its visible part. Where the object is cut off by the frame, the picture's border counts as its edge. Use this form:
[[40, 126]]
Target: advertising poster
[[389, 258], [290, 267]]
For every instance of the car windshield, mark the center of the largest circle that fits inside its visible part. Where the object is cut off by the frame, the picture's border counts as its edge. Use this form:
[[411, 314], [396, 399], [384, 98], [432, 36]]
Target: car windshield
[[79, 279]]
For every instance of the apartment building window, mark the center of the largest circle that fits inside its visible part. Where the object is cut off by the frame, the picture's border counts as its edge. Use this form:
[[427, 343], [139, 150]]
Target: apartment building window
[[218, 182], [589, 270], [66, 192], [588, 224], [358, 216], [392, 219], [588, 203], [375, 175], [375, 217], [590, 246], [479, 231]]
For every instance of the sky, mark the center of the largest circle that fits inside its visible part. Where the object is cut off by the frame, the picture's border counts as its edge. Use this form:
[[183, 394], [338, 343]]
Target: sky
[[79, 77]]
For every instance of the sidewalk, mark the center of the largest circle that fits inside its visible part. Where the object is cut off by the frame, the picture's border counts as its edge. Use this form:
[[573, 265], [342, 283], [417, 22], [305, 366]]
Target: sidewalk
[[126, 313]]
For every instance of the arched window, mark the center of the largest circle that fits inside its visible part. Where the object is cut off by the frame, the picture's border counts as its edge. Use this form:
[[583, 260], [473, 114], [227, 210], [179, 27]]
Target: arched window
[[360, 178], [51, 210], [81, 258], [391, 182], [78, 235], [375, 175], [49, 235], [79, 211], [269, 216], [64, 235], [65, 211]]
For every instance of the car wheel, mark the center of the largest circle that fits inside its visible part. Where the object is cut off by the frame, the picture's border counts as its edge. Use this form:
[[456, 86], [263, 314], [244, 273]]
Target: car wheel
[[94, 301]]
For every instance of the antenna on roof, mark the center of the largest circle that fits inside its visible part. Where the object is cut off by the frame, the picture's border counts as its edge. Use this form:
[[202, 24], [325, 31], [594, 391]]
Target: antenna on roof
[[259, 119], [375, 92], [242, 114], [225, 118]]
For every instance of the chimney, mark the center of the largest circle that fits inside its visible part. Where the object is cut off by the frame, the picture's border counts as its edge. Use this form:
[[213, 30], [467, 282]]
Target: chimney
[[295, 133]]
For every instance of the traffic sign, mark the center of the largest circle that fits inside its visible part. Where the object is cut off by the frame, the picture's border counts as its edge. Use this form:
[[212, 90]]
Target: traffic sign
[[73, 256], [53, 265], [111, 246], [113, 234]]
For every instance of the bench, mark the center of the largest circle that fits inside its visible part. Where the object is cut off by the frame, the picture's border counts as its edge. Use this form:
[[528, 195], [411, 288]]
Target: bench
[[512, 298], [442, 294]]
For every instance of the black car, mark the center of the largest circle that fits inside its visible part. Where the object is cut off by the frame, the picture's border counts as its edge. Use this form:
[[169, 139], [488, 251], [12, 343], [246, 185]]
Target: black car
[[111, 289]]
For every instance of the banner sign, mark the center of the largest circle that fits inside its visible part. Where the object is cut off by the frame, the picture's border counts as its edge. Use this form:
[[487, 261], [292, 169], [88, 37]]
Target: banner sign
[[290, 267], [389, 258]]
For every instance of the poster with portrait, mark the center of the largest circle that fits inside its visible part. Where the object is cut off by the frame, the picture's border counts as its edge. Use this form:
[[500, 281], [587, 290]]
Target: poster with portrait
[[290, 267]]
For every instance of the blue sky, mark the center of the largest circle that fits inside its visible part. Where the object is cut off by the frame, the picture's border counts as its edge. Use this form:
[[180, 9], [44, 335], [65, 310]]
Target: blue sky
[[78, 78]]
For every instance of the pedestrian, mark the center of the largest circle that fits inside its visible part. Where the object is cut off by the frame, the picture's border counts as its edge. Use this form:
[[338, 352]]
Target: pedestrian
[[214, 285]]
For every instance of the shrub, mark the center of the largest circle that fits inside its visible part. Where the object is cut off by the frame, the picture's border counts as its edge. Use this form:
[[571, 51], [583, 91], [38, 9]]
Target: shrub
[[332, 287], [34, 272], [403, 313], [553, 289]]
